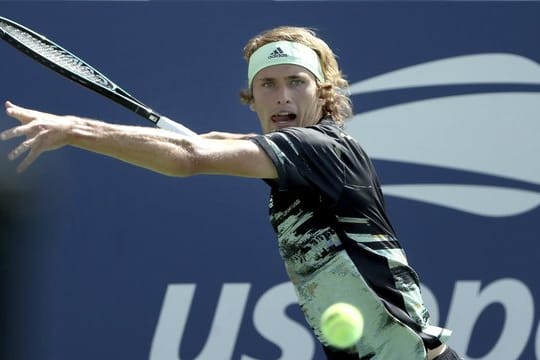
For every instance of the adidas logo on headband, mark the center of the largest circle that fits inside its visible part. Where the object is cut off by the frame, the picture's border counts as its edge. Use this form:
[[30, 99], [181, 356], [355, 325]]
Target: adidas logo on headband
[[277, 53]]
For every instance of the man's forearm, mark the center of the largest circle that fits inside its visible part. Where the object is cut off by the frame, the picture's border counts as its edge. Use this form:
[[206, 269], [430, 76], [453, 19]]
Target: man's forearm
[[140, 146]]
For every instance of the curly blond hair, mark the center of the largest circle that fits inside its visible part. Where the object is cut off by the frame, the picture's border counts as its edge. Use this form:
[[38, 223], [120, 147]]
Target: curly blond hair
[[333, 90]]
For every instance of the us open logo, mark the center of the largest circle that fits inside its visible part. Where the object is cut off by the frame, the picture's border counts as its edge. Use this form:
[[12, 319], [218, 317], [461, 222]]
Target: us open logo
[[492, 133]]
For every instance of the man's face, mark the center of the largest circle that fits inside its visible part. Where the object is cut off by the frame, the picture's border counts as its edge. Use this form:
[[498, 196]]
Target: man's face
[[284, 96]]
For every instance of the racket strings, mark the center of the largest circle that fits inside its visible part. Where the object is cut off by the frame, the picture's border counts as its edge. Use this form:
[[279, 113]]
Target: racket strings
[[57, 55]]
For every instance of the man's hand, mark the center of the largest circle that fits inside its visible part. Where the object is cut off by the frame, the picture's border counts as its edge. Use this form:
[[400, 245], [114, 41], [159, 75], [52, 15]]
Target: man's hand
[[43, 132]]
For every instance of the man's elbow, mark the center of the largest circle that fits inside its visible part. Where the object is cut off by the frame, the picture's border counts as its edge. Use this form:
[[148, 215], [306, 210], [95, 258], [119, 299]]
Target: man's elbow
[[181, 161]]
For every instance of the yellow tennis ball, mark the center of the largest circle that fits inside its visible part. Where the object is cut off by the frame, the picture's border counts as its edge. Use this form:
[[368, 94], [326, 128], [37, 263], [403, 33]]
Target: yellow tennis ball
[[342, 325]]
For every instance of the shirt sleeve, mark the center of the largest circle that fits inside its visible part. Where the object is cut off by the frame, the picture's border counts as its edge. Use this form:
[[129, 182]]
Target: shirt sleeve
[[306, 159]]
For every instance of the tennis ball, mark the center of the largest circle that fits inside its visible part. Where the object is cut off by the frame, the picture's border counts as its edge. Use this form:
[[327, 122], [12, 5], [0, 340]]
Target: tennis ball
[[342, 325]]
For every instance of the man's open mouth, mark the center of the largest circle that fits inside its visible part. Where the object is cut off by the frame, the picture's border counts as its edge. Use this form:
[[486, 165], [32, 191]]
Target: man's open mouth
[[283, 117]]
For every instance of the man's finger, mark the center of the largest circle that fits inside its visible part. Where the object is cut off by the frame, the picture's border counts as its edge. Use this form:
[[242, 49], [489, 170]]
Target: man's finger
[[32, 156], [22, 114], [13, 132], [21, 149]]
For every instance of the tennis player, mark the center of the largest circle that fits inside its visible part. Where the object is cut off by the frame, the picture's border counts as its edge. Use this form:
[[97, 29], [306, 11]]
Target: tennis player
[[326, 205]]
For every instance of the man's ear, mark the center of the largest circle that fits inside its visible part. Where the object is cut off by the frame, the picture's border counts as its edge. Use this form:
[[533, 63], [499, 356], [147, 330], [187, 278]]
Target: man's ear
[[251, 106], [321, 99]]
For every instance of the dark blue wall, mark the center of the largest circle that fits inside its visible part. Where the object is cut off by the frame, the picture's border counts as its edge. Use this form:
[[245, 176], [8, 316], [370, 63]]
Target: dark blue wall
[[94, 250]]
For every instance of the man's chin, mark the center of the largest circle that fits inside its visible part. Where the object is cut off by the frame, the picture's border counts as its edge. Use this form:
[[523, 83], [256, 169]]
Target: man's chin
[[283, 125]]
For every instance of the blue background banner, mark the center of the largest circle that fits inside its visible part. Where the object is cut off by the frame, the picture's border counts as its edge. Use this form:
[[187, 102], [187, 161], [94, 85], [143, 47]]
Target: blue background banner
[[103, 260]]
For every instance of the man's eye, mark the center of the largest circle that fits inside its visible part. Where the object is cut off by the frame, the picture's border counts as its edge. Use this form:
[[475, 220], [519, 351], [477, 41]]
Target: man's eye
[[267, 84], [297, 82]]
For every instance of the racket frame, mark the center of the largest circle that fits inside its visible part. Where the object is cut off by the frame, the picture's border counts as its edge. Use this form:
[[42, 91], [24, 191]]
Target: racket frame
[[111, 91]]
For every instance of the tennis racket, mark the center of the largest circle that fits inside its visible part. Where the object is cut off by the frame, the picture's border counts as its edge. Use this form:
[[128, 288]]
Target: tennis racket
[[65, 63]]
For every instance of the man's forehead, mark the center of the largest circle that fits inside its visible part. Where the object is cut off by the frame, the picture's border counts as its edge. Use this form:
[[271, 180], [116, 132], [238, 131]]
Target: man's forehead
[[283, 71]]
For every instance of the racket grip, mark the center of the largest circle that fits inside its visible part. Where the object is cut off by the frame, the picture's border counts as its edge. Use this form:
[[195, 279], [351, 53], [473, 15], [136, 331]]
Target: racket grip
[[167, 124]]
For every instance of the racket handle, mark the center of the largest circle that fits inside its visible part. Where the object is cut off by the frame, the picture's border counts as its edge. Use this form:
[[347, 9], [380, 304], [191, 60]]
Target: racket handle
[[167, 124]]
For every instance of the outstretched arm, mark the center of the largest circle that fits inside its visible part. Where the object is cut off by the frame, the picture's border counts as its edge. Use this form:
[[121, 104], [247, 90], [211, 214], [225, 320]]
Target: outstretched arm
[[155, 149]]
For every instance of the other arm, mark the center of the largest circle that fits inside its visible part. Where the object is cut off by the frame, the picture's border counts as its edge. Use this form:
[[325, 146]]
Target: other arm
[[154, 149]]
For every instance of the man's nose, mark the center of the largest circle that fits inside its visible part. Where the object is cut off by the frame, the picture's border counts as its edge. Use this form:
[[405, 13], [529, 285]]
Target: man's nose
[[283, 96]]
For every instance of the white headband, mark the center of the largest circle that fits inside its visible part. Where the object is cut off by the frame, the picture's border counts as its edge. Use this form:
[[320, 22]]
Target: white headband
[[284, 52]]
